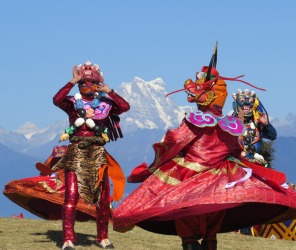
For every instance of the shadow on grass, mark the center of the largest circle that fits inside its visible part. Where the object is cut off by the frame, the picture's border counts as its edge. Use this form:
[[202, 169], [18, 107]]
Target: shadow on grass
[[56, 236]]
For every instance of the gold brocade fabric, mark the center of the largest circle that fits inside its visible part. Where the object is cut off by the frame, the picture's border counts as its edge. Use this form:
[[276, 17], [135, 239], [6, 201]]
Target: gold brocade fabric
[[85, 162], [166, 178], [194, 166]]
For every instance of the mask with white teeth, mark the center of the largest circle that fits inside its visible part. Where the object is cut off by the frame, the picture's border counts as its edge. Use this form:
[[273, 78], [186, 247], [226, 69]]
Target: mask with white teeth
[[244, 102], [91, 73], [91, 76]]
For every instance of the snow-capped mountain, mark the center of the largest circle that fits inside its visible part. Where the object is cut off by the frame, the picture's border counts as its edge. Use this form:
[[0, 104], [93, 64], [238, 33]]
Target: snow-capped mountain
[[285, 127], [150, 109], [37, 136], [29, 136]]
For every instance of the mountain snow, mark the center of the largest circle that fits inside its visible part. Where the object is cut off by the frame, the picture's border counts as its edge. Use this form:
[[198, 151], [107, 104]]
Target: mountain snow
[[29, 129], [150, 108], [29, 136]]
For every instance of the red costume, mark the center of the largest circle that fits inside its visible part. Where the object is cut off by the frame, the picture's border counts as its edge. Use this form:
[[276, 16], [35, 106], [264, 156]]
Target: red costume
[[71, 195], [196, 186], [83, 169], [93, 119], [43, 195]]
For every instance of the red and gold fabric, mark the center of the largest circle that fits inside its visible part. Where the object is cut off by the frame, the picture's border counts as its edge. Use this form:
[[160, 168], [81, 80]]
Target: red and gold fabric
[[193, 175], [43, 195]]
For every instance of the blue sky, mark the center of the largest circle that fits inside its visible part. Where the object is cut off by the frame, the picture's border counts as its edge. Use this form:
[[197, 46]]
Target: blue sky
[[42, 40]]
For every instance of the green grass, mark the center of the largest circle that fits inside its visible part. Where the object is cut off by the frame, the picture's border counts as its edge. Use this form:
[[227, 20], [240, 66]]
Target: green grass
[[28, 234]]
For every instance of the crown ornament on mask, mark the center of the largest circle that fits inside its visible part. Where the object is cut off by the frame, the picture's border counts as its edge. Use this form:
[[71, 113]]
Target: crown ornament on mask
[[209, 84], [90, 73], [248, 102]]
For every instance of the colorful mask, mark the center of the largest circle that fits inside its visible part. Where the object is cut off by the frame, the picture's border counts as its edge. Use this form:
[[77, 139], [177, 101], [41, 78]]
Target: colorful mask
[[206, 92], [91, 76], [91, 72], [244, 101]]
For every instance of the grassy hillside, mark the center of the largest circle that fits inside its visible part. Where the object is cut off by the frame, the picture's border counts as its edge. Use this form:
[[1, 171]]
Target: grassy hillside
[[27, 234]]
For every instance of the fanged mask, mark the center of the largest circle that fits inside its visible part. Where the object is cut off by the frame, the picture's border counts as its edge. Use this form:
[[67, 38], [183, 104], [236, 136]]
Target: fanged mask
[[91, 76], [206, 93], [91, 72], [244, 102]]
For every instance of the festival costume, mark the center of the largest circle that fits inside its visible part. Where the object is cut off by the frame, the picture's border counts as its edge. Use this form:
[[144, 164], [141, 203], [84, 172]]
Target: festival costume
[[198, 185], [258, 127], [74, 181], [43, 195], [93, 119], [255, 149]]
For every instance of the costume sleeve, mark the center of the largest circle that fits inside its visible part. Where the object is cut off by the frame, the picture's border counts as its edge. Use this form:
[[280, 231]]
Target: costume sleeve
[[269, 132], [60, 99], [119, 104], [172, 143]]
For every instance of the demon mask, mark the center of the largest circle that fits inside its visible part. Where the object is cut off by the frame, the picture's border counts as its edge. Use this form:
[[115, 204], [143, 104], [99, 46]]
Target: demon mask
[[91, 76]]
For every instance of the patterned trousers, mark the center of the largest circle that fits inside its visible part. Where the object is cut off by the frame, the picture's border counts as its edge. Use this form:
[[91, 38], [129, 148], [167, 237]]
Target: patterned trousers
[[71, 200]]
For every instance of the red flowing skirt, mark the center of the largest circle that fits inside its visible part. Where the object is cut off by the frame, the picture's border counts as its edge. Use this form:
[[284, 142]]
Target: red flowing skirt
[[248, 198], [43, 196]]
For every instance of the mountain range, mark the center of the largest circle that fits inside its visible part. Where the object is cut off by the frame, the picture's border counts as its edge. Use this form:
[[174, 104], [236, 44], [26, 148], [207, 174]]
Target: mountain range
[[151, 114]]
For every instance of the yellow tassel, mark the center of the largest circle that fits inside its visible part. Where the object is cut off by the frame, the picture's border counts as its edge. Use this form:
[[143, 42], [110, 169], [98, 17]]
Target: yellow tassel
[[105, 137], [255, 112], [64, 136]]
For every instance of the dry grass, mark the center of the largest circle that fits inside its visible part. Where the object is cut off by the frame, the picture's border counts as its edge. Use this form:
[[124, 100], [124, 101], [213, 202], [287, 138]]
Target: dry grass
[[25, 234]]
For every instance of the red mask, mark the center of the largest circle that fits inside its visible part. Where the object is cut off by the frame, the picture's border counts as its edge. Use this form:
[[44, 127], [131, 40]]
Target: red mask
[[91, 77], [91, 73]]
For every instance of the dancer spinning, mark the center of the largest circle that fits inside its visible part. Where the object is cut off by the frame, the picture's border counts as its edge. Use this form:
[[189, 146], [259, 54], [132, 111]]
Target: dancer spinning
[[43, 195], [197, 186], [93, 117]]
